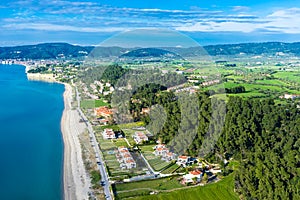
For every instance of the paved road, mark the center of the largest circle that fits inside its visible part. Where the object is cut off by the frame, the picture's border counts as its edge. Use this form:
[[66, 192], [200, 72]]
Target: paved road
[[99, 158]]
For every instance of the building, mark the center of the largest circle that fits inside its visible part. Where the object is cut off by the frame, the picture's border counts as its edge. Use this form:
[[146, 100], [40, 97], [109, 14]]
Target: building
[[145, 111], [212, 82], [170, 156], [291, 96], [140, 137], [103, 111], [108, 134], [194, 176], [185, 161], [125, 159], [163, 151]]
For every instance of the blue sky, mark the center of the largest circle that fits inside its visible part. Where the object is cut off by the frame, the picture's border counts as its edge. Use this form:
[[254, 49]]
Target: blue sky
[[89, 22]]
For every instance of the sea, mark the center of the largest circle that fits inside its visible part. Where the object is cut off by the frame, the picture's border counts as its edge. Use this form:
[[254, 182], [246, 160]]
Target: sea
[[31, 144]]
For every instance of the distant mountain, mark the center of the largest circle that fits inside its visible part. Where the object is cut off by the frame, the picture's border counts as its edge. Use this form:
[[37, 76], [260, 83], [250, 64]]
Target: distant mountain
[[44, 51], [254, 48], [150, 54], [64, 50]]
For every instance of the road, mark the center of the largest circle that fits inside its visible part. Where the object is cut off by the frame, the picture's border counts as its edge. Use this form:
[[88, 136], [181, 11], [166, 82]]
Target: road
[[99, 157]]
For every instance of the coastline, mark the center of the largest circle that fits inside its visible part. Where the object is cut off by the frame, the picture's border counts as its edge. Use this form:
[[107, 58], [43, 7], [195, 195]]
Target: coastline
[[76, 181], [41, 77]]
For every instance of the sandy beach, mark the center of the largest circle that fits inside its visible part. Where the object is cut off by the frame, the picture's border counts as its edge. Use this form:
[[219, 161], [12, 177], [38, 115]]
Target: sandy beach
[[41, 77], [76, 180]]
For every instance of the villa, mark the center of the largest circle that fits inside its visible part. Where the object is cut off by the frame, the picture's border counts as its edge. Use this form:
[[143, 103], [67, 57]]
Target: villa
[[185, 161], [125, 159], [163, 151], [145, 111], [139, 137], [108, 134], [103, 111], [194, 176], [290, 96], [170, 156]]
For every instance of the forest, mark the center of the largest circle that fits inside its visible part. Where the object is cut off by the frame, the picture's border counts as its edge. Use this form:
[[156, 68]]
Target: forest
[[262, 136]]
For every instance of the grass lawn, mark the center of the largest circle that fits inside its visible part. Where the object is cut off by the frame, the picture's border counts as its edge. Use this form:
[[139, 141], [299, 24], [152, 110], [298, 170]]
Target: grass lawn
[[131, 125], [157, 164], [89, 104], [157, 184], [170, 169], [120, 142], [223, 190], [147, 148]]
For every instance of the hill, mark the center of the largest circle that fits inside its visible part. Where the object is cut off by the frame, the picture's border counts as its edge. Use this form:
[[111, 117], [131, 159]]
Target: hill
[[64, 50]]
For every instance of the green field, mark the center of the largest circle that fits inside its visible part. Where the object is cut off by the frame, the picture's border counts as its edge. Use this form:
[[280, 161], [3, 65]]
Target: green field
[[289, 76], [259, 88], [223, 190], [170, 169], [152, 185], [90, 104], [120, 142]]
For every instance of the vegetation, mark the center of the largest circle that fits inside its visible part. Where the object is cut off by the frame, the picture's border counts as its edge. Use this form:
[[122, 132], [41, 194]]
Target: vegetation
[[96, 177], [156, 184], [262, 135], [223, 190], [90, 104]]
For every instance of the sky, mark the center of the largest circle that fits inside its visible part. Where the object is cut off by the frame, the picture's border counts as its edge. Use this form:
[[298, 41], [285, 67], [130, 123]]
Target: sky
[[89, 22]]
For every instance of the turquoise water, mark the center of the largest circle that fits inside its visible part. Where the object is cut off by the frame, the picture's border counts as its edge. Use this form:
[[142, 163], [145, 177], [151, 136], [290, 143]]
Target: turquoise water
[[31, 145]]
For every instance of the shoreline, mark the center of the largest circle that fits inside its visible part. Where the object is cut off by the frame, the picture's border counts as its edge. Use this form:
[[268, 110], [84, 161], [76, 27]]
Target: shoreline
[[75, 178], [76, 181], [41, 77]]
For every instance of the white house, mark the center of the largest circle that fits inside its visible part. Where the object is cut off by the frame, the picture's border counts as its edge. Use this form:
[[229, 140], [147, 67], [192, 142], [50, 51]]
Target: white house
[[108, 134], [191, 176], [139, 137], [170, 156], [161, 150], [185, 161], [125, 159]]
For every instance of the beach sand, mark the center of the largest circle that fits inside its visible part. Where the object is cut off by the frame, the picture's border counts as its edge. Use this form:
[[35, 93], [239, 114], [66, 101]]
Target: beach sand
[[76, 179], [41, 77]]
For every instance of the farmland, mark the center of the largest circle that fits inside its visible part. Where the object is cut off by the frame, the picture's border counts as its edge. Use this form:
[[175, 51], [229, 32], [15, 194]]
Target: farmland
[[223, 190]]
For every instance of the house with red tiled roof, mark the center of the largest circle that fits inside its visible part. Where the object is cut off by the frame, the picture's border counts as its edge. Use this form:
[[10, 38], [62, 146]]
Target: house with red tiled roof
[[185, 160], [125, 159], [163, 151], [140, 137], [108, 134], [194, 176], [145, 111], [170, 156], [103, 111]]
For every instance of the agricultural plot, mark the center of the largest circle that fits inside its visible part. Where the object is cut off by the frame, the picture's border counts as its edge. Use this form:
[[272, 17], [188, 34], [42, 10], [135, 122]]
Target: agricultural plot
[[171, 169], [90, 104], [222, 190], [289, 76], [145, 187], [120, 142], [156, 163]]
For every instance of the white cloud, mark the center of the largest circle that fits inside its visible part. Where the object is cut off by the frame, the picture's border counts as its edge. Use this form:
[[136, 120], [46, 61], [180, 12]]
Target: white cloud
[[55, 27], [284, 21], [240, 8]]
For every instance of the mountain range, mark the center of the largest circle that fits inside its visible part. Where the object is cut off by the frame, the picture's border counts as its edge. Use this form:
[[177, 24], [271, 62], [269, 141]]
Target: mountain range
[[65, 50]]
